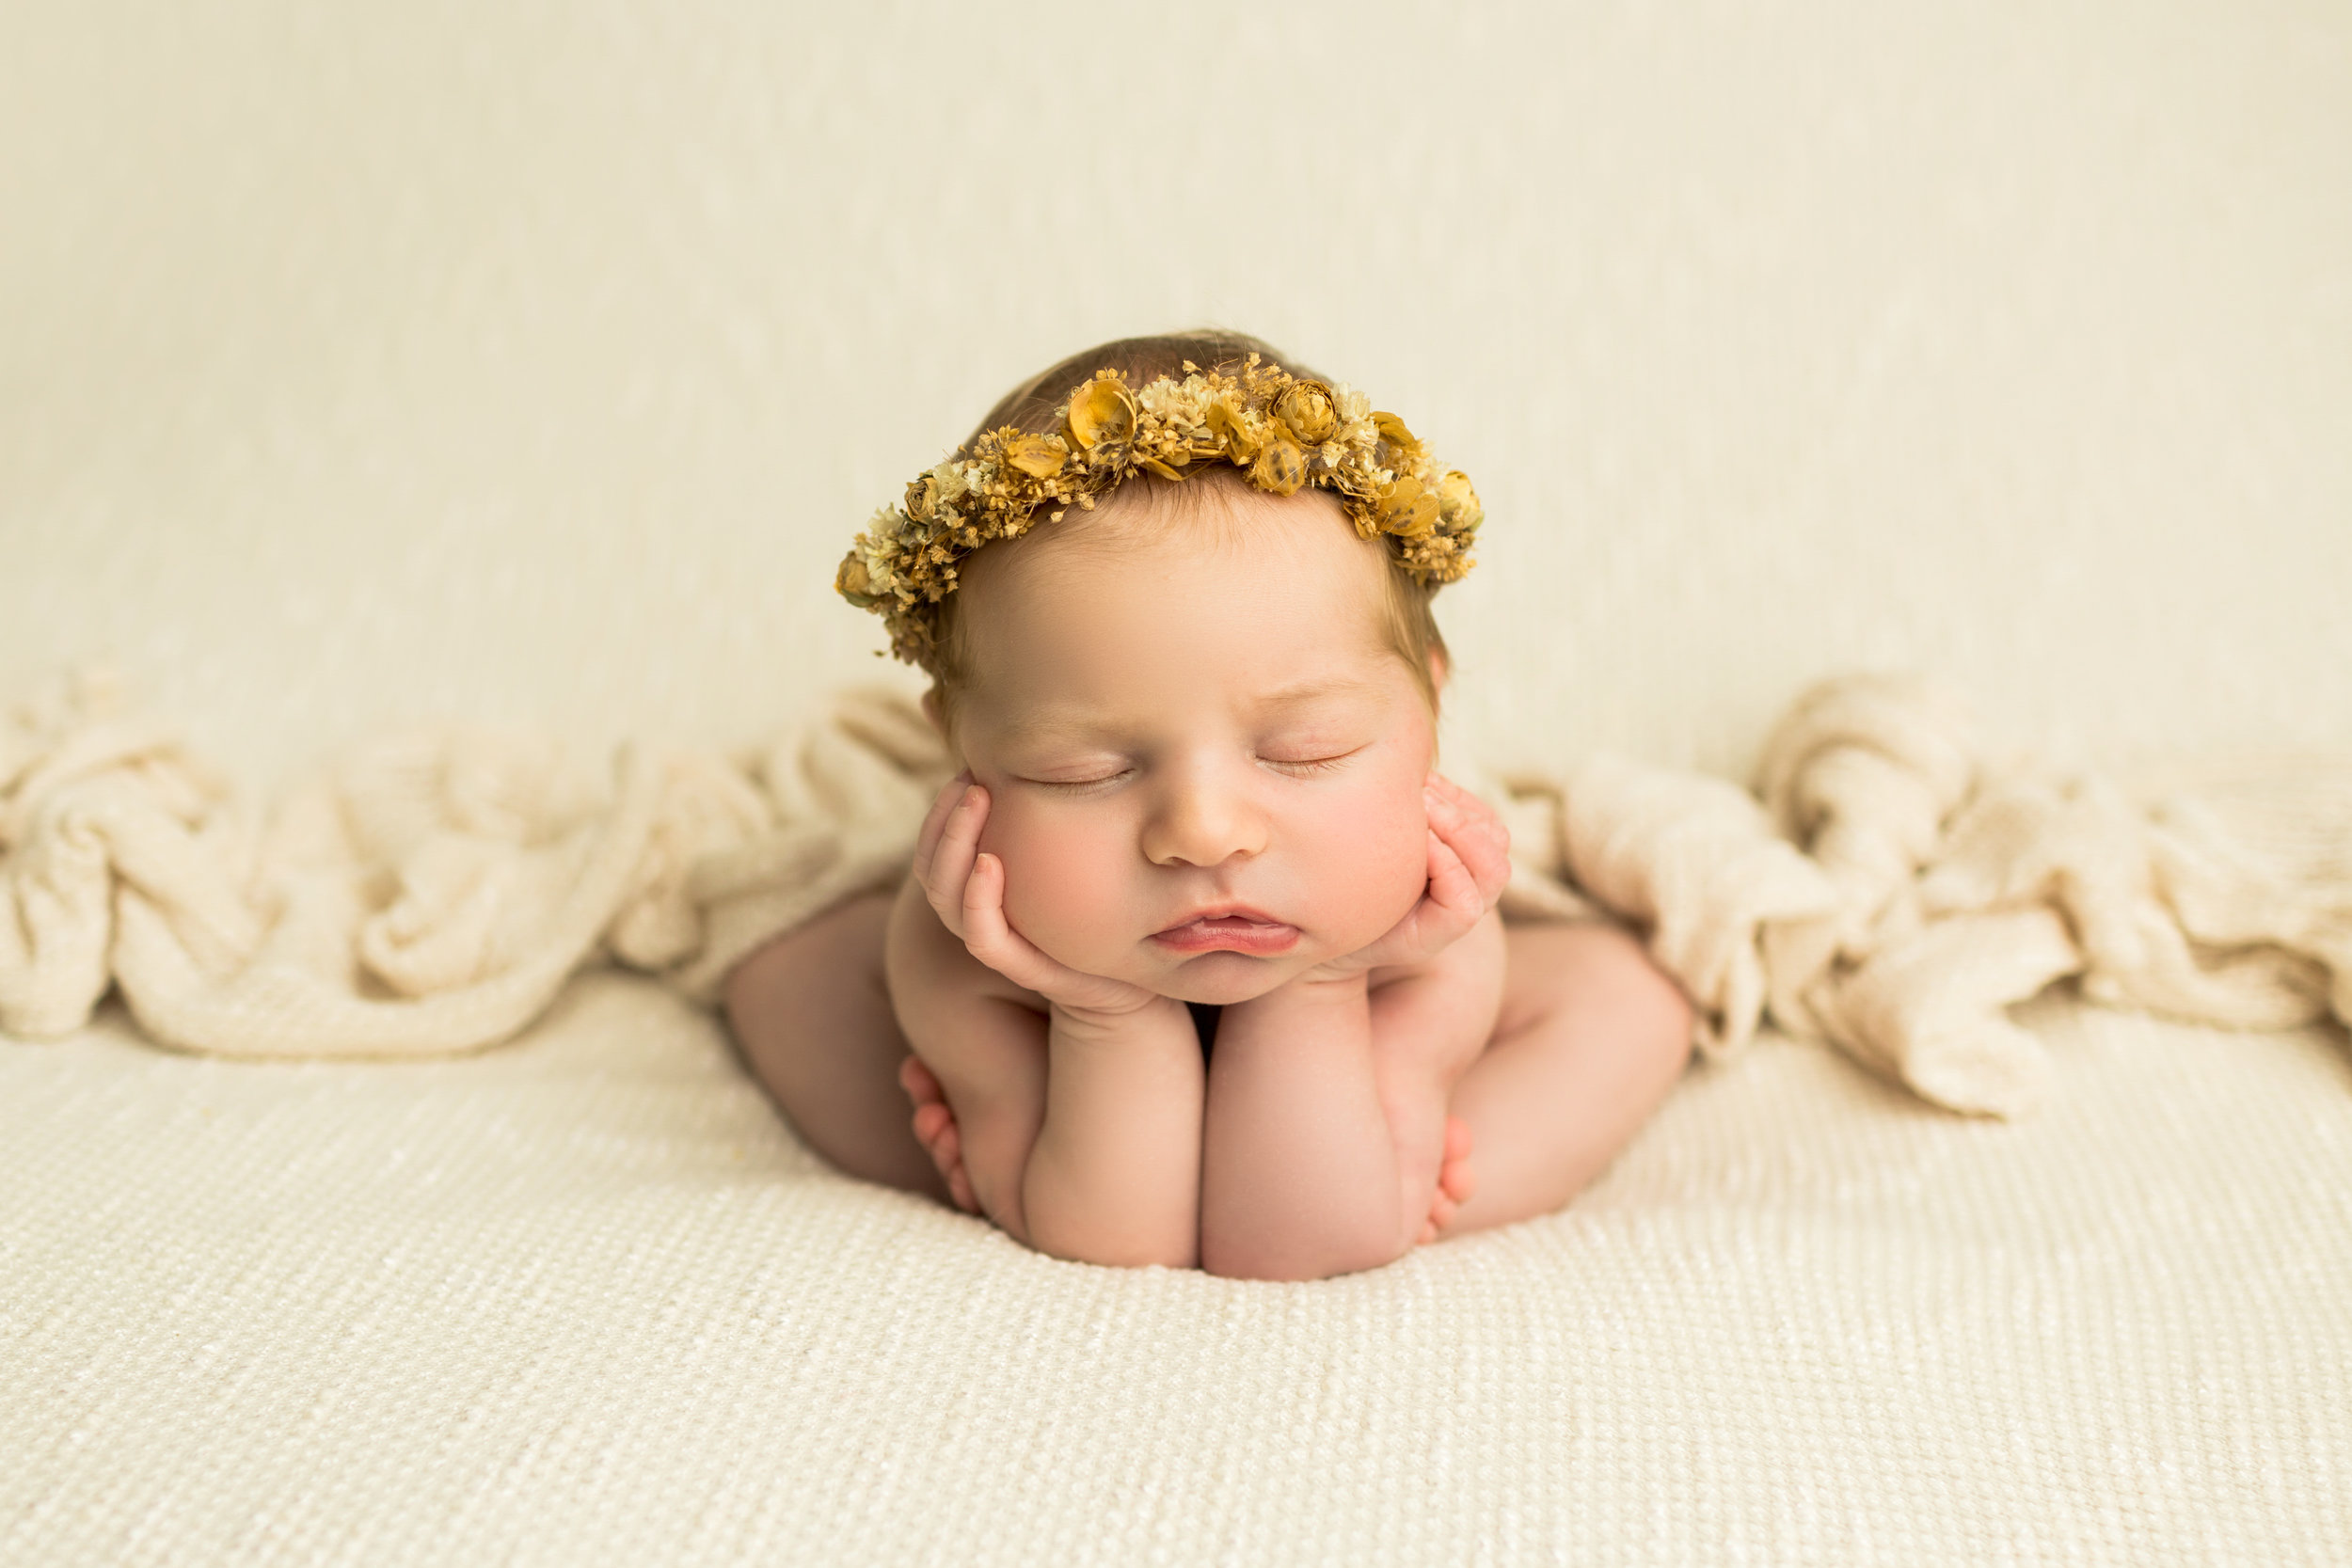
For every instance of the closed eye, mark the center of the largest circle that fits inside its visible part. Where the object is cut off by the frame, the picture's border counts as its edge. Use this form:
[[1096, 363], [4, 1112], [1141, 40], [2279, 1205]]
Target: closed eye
[[1079, 786], [1307, 767]]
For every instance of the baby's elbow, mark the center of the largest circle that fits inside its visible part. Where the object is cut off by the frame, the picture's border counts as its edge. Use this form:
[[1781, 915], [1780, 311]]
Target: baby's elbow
[[1115, 1247], [1259, 1258]]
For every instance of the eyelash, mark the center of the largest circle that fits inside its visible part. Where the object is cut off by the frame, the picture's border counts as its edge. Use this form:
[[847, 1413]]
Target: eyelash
[[1081, 786], [1309, 767], [1305, 770]]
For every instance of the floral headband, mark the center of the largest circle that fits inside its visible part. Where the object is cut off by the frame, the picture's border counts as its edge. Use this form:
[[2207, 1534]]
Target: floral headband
[[1282, 431]]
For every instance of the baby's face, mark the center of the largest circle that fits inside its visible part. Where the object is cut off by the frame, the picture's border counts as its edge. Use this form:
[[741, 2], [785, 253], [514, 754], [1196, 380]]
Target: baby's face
[[1205, 760]]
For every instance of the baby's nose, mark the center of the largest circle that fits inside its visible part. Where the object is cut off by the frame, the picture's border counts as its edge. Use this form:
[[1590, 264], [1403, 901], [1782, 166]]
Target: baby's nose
[[1199, 823]]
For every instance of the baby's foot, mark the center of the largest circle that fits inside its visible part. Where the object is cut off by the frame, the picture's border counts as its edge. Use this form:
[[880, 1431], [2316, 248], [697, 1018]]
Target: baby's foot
[[935, 1130], [1455, 1181]]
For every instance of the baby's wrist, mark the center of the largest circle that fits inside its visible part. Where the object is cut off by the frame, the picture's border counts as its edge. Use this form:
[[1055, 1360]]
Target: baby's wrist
[[1313, 989], [1080, 1025]]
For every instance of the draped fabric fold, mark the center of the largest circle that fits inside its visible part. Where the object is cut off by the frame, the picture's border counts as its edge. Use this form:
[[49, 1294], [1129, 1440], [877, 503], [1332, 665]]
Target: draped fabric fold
[[1891, 885]]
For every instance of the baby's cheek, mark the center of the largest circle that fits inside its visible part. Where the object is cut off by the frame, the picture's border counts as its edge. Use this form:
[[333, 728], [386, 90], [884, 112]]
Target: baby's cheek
[[1063, 887], [1374, 853]]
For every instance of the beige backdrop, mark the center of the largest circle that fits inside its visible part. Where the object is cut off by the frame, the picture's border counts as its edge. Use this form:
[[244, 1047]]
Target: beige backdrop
[[534, 362]]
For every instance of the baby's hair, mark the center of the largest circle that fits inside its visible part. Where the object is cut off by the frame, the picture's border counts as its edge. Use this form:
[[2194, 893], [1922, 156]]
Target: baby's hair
[[1410, 627]]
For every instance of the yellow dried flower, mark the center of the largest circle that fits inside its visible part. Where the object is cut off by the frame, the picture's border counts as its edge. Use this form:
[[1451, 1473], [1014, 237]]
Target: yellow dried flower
[[853, 582], [1283, 432], [1102, 411], [1280, 468], [1231, 432], [1409, 510], [1306, 408], [1457, 504], [1040, 455], [1404, 448]]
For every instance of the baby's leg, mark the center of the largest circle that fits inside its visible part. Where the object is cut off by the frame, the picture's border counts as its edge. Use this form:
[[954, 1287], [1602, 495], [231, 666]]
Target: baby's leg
[[812, 1018], [1591, 1037]]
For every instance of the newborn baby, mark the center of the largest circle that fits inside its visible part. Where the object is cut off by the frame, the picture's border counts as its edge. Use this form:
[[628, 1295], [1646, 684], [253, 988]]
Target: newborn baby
[[1198, 961]]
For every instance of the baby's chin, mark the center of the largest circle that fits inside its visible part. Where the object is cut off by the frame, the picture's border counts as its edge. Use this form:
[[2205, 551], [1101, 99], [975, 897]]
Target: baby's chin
[[1224, 979], [1223, 976]]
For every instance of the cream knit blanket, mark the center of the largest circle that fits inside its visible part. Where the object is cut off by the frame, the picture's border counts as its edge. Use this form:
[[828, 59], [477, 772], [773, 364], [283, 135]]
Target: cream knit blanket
[[1889, 886]]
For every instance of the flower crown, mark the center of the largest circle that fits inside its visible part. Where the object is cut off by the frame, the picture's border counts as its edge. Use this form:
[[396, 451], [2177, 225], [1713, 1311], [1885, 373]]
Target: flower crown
[[1283, 432]]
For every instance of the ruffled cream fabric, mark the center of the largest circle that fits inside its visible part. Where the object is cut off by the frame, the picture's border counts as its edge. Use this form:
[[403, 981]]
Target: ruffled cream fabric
[[1890, 886]]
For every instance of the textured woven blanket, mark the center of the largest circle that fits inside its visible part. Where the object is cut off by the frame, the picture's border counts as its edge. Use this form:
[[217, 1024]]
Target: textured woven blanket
[[1891, 885]]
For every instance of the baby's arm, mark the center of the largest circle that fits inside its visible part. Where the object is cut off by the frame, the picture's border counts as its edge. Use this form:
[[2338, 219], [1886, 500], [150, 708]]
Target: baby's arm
[[1326, 1126], [1077, 1100]]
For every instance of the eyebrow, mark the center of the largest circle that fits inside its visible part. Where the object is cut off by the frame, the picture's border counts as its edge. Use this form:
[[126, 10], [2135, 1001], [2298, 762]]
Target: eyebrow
[[1308, 690], [1033, 727], [1067, 724]]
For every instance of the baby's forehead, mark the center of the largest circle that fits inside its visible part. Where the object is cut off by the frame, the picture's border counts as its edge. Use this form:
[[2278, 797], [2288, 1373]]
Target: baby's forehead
[[1218, 522], [1161, 577]]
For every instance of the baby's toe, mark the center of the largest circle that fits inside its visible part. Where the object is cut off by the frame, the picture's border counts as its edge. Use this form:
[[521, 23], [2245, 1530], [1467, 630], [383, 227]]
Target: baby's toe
[[1457, 1139], [1456, 1180], [920, 1083], [947, 1148]]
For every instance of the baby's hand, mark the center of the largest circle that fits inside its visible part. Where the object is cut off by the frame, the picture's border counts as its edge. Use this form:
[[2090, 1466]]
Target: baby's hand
[[1468, 863], [967, 890]]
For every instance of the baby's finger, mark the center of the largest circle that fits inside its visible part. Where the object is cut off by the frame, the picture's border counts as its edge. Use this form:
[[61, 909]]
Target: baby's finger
[[1452, 890], [935, 820], [1488, 859], [1451, 807], [1450, 812], [1447, 790], [954, 855], [1476, 835], [991, 936]]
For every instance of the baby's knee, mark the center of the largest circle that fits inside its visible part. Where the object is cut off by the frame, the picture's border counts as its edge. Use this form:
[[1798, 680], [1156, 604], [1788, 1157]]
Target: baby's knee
[[1605, 970], [1645, 988], [777, 978]]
